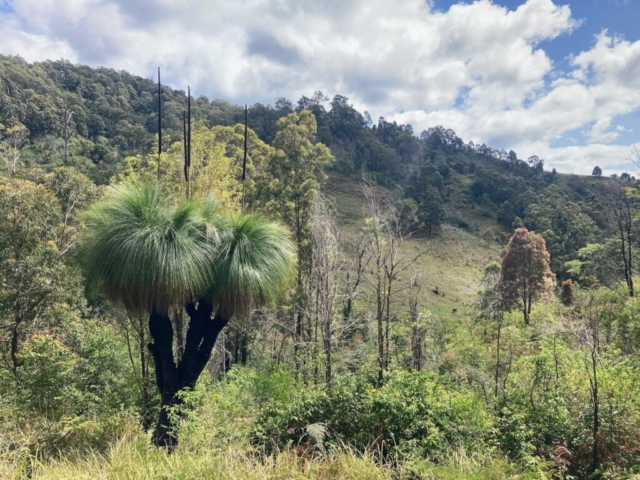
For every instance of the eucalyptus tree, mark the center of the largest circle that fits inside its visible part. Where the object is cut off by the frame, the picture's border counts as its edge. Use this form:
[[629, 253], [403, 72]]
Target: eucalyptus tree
[[34, 278], [154, 254], [525, 273], [296, 176]]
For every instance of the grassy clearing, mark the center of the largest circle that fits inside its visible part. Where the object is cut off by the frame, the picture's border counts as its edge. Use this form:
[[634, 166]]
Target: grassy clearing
[[453, 264]]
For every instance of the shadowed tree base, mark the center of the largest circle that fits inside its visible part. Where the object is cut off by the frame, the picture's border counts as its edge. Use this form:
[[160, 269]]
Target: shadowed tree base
[[202, 334]]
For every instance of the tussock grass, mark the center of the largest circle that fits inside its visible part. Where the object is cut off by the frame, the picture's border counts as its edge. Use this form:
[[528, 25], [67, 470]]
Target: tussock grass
[[132, 457]]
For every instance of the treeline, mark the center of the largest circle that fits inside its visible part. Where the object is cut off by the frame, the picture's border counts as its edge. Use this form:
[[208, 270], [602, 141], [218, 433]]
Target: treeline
[[93, 118], [54, 113]]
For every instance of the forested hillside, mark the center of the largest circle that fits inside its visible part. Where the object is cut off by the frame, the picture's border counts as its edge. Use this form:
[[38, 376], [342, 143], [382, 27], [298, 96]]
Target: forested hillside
[[111, 115], [315, 296]]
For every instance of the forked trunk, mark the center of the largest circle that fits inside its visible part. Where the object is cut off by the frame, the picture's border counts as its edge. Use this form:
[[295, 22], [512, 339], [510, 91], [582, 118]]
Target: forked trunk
[[171, 378]]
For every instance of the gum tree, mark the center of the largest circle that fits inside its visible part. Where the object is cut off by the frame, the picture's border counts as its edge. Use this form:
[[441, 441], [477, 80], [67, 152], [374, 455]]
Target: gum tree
[[526, 276]]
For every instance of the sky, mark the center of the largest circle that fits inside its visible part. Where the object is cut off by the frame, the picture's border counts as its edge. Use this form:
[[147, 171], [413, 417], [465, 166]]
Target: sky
[[555, 78]]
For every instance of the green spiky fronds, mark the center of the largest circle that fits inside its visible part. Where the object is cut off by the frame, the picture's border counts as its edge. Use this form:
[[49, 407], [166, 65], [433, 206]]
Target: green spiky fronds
[[145, 252], [254, 263]]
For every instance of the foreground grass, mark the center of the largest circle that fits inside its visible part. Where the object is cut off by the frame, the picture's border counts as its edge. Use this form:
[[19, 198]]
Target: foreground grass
[[132, 457], [135, 459], [215, 443]]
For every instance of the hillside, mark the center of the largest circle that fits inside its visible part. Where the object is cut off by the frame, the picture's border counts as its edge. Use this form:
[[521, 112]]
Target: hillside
[[472, 187], [453, 264], [196, 322]]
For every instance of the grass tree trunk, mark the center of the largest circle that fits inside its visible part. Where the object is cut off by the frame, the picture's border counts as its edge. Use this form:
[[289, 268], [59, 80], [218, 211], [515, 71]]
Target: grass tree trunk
[[172, 377]]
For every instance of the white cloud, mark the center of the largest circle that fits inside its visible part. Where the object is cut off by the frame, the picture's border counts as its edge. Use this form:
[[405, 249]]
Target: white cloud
[[601, 131], [32, 47], [387, 56]]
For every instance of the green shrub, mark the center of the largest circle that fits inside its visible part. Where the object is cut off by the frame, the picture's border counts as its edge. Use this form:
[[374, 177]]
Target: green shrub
[[411, 414]]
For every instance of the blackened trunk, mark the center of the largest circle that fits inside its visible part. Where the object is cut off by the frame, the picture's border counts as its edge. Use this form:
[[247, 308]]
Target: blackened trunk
[[161, 349], [171, 378], [14, 347], [243, 349]]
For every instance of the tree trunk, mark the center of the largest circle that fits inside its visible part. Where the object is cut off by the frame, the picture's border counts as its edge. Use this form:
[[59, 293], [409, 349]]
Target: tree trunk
[[171, 378], [379, 314], [15, 346], [243, 349], [416, 335], [630, 258], [497, 372], [596, 405], [161, 349]]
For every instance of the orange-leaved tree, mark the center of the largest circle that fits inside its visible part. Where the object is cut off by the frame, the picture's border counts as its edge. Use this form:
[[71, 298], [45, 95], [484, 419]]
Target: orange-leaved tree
[[526, 275]]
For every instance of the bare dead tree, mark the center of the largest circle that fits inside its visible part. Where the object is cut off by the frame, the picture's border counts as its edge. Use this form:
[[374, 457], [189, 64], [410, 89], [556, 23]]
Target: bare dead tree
[[14, 138], [591, 327], [359, 249], [492, 306], [67, 132], [389, 262], [417, 332], [323, 282], [622, 214]]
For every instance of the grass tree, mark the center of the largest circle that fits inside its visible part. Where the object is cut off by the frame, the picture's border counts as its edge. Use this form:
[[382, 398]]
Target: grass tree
[[153, 254]]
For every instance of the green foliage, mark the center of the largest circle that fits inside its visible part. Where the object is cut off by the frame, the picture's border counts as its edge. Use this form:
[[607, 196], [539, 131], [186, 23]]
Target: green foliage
[[478, 465], [431, 210], [145, 252], [411, 414], [495, 399], [252, 264], [35, 280], [563, 224], [46, 382]]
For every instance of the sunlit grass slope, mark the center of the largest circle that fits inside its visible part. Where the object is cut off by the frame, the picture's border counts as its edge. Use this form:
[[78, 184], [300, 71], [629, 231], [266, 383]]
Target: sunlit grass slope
[[453, 263]]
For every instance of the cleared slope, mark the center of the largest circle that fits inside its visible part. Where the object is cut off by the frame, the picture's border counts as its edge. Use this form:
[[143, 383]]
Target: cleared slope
[[452, 266]]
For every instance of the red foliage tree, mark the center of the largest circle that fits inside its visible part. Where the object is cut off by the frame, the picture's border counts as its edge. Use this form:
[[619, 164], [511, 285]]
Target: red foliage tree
[[526, 276], [568, 295]]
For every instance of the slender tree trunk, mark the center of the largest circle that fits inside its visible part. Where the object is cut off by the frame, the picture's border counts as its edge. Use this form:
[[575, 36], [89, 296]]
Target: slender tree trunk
[[15, 346], [596, 407], [497, 373], [328, 312], [387, 325], [630, 257], [625, 261], [416, 335], [144, 373], [379, 315]]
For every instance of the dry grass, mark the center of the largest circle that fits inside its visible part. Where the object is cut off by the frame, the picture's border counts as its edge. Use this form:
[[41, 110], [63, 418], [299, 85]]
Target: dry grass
[[455, 259], [133, 458]]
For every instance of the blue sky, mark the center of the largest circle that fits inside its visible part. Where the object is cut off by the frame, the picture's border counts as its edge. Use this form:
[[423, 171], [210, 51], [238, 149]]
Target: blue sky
[[558, 79], [619, 17]]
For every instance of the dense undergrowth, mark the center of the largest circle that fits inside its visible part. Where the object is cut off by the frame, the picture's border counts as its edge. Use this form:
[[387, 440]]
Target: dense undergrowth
[[223, 435], [60, 420]]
